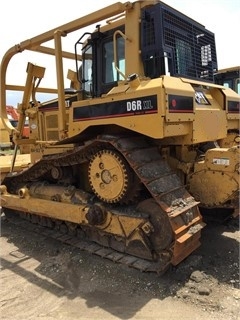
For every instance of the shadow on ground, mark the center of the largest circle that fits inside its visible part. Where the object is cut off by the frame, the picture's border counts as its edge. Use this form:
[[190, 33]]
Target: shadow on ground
[[120, 290]]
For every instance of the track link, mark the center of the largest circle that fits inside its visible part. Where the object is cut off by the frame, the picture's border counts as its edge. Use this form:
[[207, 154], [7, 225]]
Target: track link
[[161, 182], [167, 190], [90, 247]]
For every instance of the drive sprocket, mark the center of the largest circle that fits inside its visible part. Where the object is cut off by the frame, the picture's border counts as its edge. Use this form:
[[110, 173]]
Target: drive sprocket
[[109, 176]]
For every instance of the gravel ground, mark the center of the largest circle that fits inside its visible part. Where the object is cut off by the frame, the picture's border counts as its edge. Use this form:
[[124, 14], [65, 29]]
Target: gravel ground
[[42, 278]]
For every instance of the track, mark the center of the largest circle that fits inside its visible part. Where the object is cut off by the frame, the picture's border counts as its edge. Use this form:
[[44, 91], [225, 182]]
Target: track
[[170, 209], [76, 240]]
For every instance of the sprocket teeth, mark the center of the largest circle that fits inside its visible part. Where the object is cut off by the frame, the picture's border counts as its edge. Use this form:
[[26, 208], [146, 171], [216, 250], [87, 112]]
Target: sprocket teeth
[[108, 176]]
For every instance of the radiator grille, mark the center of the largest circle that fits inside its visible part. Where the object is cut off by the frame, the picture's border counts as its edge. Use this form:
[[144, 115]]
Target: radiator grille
[[52, 121]]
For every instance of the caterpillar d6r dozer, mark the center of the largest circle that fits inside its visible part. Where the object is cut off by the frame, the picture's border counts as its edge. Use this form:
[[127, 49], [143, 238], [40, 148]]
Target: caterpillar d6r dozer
[[127, 158]]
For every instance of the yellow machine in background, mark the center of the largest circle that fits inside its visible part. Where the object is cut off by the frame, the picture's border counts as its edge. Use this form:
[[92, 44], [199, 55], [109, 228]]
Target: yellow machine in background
[[129, 156], [229, 78], [5, 142], [22, 158]]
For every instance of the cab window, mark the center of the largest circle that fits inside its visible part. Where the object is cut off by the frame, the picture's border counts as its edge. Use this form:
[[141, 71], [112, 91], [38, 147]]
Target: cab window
[[110, 73]]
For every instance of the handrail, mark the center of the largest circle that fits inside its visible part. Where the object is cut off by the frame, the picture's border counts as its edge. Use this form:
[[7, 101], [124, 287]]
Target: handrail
[[34, 44]]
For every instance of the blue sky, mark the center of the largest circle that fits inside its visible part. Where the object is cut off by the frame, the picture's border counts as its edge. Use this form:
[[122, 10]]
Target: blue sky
[[29, 19]]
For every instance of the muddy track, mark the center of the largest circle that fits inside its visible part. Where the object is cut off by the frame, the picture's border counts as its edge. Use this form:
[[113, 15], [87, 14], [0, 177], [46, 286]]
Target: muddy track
[[78, 242], [176, 211]]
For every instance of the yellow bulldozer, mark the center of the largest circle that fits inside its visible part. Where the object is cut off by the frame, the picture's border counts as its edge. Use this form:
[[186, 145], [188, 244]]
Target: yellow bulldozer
[[229, 77], [127, 159]]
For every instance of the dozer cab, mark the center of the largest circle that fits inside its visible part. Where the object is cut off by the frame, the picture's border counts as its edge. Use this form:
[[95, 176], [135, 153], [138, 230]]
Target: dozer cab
[[229, 77], [129, 156]]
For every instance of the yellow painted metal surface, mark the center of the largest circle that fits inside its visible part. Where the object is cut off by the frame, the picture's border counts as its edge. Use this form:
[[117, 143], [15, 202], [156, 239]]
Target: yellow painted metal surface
[[22, 162], [78, 151], [216, 179]]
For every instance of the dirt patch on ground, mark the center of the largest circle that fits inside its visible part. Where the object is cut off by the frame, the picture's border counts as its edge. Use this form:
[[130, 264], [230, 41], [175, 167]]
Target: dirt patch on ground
[[41, 278]]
